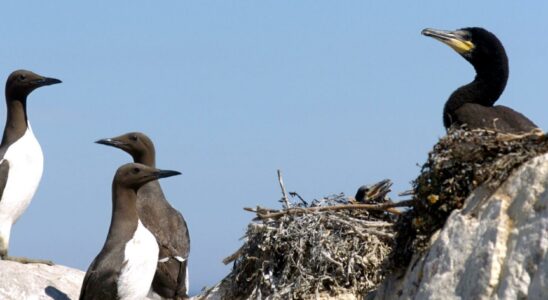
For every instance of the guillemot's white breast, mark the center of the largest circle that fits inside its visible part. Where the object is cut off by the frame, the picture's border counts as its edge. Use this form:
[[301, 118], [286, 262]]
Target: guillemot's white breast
[[140, 260], [26, 163], [21, 158], [124, 269]]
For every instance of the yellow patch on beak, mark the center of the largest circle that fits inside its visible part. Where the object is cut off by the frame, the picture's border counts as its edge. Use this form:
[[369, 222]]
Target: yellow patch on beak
[[460, 46], [454, 39]]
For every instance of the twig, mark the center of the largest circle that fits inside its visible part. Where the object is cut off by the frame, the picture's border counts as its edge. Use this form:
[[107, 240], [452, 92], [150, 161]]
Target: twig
[[295, 194], [232, 257], [367, 223], [259, 209], [389, 207], [329, 258], [284, 192], [360, 232], [407, 193]]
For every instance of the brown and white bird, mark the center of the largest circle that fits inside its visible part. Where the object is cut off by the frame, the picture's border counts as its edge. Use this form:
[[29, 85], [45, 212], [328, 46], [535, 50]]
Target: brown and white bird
[[126, 265], [166, 223], [21, 158]]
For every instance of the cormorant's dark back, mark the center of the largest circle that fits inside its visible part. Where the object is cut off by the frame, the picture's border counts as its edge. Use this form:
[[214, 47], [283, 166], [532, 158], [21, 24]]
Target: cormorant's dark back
[[472, 104]]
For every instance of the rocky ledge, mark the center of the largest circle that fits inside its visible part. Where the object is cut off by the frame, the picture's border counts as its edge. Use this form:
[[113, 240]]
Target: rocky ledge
[[39, 281], [495, 247]]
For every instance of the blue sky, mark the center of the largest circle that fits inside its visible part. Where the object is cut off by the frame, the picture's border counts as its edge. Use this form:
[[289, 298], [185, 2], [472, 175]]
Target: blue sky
[[336, 94]]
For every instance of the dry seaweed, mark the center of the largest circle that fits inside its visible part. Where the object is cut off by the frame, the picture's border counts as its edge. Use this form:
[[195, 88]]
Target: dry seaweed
[[295, 255], [338, 246], [460, 162]]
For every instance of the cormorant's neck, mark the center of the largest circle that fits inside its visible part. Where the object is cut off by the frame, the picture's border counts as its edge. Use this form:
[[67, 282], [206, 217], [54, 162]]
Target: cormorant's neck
[[491, 78], [16, 121], [488, 85], [124, 214], [147, 158]]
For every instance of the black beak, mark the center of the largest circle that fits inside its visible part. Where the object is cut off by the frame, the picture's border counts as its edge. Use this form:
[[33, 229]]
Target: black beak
[[46, 81], [166, 173], [110, 142]]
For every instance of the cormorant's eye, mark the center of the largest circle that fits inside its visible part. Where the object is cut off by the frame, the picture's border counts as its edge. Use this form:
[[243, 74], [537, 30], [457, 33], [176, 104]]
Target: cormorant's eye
[[136, 170], [133, 138]]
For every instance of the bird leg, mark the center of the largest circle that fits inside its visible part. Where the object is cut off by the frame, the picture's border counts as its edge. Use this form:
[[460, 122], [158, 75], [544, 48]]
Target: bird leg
[[26, 260]]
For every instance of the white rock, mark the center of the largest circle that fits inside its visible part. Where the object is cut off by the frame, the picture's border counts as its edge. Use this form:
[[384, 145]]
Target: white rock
[[37, 281], [496, 247]]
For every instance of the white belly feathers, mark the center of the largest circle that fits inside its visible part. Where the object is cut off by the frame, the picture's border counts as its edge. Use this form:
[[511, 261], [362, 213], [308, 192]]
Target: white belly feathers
[[140, 260], [26, 163]]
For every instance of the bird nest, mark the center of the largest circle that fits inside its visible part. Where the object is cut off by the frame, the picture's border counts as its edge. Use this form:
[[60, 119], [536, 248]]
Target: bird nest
[[336, 245], [459, 163], [331, 246]]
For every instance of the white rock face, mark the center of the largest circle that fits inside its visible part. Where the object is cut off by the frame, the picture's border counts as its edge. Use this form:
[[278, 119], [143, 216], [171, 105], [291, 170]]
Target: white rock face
[[37, 281], [496, 247]]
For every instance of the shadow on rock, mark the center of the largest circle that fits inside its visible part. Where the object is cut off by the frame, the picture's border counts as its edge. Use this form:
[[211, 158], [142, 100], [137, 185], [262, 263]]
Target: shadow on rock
[[56, 294]]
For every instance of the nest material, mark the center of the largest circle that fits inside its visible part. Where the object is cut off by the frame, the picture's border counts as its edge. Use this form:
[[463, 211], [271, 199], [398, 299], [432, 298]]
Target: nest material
[[297, 255], [459, 163], [331, 246]]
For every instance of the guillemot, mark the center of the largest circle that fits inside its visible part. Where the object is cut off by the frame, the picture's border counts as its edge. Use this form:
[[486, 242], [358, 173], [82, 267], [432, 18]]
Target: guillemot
[[21, 158], [166, 223], [127, 262]]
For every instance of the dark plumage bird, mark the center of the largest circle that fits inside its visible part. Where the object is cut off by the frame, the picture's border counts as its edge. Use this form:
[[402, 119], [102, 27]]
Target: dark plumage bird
[[166, 224], [373, 194], [472, 104], [126, 265], [21, 158]]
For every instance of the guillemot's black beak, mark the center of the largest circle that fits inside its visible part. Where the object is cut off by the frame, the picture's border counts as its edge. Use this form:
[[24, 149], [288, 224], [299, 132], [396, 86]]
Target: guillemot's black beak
[[459, 40], [110, 142], [46, 81], [166, 173]]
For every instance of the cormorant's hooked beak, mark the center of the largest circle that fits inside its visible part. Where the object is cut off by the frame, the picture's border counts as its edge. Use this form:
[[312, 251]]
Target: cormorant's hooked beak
[[458, 39], [379, 187], [46, 81], [111, 142], [165, 173], [366, 192]]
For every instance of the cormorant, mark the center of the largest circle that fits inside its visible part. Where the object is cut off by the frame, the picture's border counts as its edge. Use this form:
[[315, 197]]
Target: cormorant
[[472, 104], [373, 194]]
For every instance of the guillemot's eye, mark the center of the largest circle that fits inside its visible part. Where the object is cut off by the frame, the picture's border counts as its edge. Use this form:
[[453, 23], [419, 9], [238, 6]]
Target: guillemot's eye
[[136, 170], [133, 138], [22, 77]]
